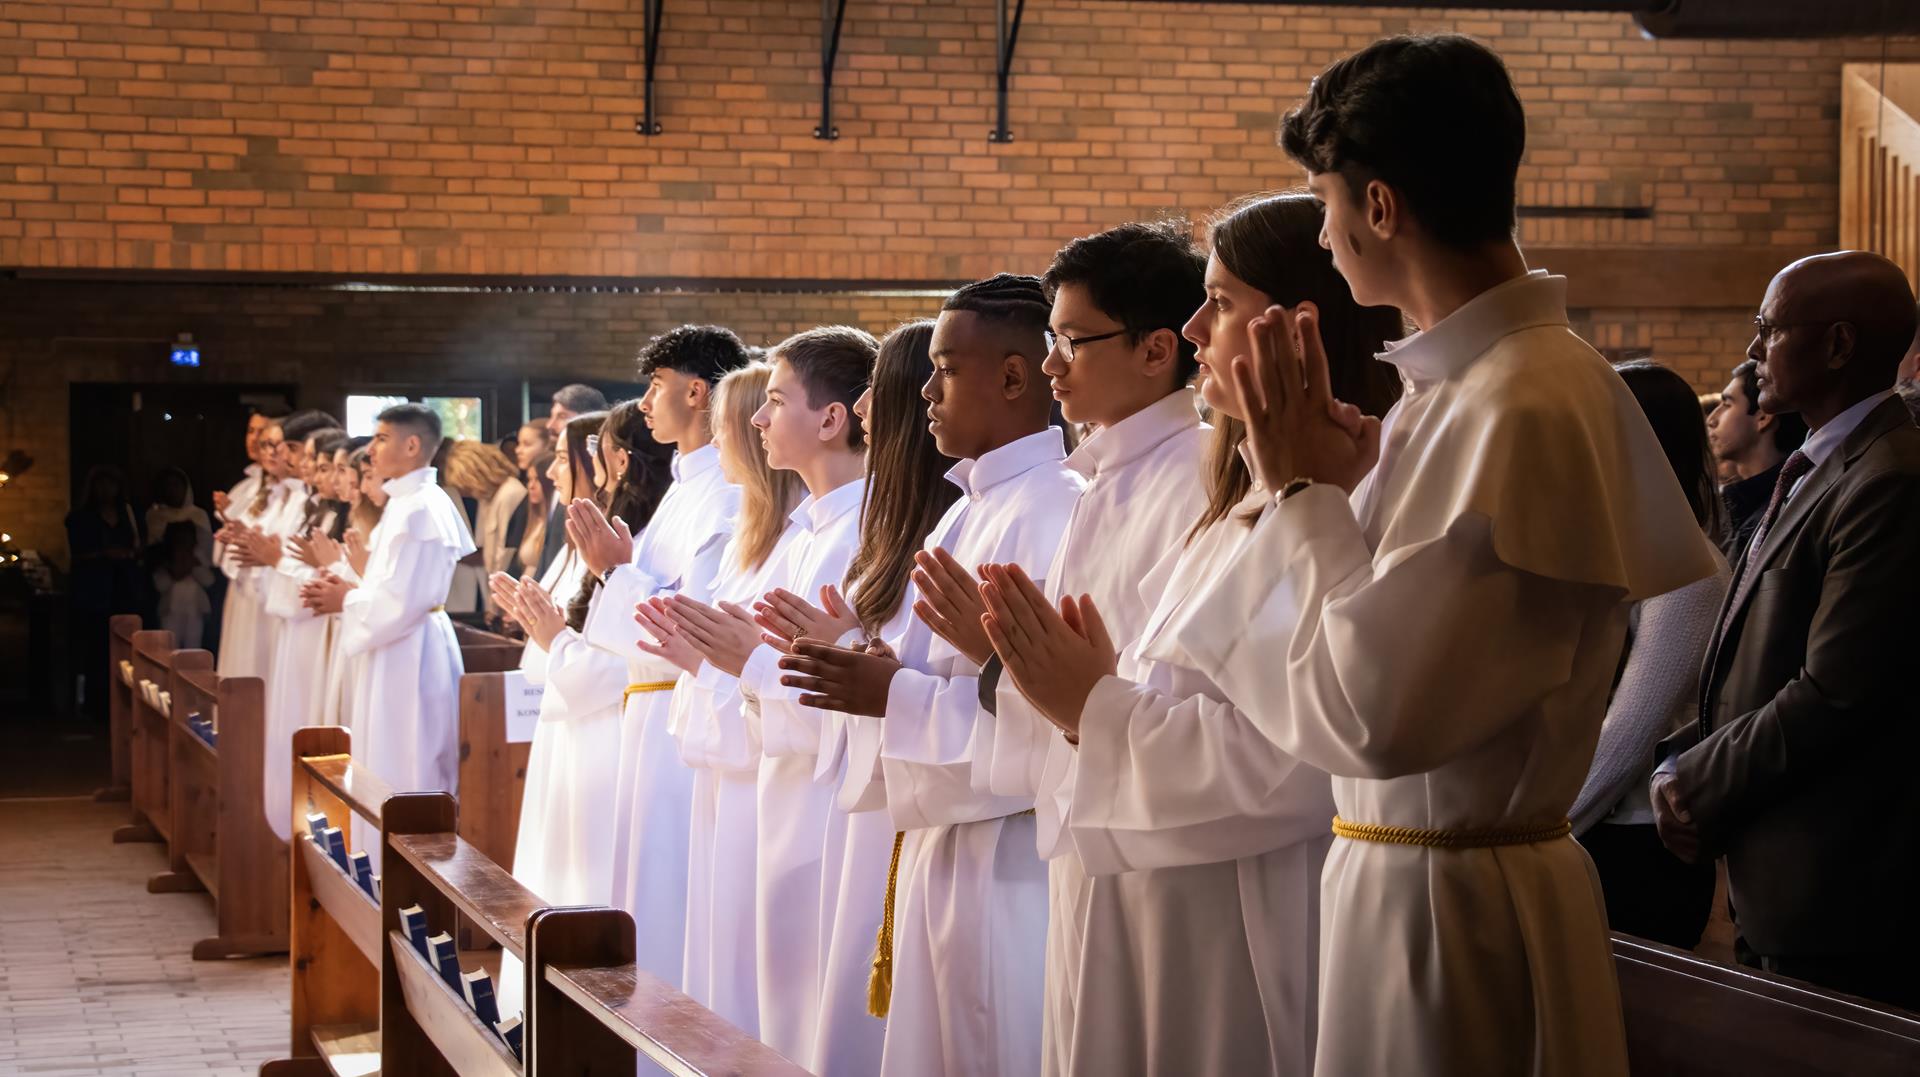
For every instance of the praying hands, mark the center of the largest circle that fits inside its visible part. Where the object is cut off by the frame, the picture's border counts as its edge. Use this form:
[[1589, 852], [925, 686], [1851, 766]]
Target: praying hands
[[601, 543], [326, 593], [725, 635], [950, 604], [1055, 657], [668, 644], [1295, 427], [787, 617]]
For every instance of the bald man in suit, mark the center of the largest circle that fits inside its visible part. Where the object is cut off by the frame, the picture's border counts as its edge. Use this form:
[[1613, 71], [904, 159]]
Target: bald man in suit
[[1800, 770]]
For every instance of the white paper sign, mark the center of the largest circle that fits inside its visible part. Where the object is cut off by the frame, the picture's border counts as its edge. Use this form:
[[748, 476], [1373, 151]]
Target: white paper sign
[[522, 704]]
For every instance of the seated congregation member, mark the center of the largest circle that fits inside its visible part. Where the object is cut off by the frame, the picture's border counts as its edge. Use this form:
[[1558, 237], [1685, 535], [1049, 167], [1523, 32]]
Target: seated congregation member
[[406, 697], [906, 496], [969, 900], [1238, 844], [712, 719], [1798, 771], [679, 550], [479, 472], [1117, 366], [1439, 631], [1752, 445], [1650, 892]]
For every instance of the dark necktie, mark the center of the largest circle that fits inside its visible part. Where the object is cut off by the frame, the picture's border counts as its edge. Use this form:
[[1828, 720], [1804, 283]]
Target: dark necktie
[[1796, 466]]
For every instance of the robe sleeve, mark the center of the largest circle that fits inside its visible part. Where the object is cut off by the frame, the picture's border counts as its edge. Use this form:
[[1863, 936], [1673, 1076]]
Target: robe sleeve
[[930, 719], [1378, 673], [728, 738], [1851, 683], [584, 678], [387, 606], [1238, 795], [610, 625]]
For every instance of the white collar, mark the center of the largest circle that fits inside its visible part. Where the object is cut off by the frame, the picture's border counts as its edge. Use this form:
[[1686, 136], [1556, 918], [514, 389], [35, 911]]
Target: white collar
[[1016, 457], [411, 481], [815, 513], [696, 463], [1137, 434], [1536, 299], [1827, 440]]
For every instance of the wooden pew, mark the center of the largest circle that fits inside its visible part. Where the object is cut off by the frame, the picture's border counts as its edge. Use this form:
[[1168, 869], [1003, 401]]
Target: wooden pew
[[334, 936], [218, 821], [591, 1011], [487, 652], [120, 630], [426, 1027], [1691, 1017], [149, 738]]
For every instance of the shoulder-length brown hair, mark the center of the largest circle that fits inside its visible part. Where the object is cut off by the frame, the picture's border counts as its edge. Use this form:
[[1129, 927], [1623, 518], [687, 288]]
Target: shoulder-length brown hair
[[1272, 243], [907, 489]]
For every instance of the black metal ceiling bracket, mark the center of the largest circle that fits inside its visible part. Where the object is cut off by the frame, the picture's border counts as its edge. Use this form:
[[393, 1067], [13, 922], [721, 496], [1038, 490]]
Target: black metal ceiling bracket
[[833, 13], [650, 28], [1007, 35]]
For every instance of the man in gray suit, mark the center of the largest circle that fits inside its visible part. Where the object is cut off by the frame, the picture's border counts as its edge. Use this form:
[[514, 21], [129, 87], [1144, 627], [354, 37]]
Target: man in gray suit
[[1801, 769]]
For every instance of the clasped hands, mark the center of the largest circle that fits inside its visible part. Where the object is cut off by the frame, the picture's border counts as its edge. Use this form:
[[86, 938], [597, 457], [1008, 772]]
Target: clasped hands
[[1296, 428]]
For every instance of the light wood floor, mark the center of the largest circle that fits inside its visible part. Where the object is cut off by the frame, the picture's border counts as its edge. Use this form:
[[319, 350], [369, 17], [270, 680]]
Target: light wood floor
[[95, 976]]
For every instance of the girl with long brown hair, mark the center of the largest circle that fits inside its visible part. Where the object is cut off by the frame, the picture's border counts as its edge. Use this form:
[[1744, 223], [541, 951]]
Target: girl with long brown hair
[[1239, 846]]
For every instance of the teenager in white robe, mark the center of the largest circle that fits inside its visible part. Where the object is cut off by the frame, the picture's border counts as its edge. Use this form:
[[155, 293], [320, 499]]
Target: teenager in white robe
[[1146, 450], [297, 675], [969, 912], [564, 848], [808, 428], [233, 505], [1443, 641], [712, 719], [247, 650], [406, 732], [679, 551], [906, 496], [346, 673], [1238, 845]]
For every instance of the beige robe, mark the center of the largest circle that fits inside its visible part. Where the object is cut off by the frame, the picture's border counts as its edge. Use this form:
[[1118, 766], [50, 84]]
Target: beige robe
[[1443, 645]]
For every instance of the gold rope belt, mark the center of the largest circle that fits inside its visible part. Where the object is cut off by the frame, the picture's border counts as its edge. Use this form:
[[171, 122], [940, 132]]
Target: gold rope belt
[[880, 980], [1450, 839], [438, 609], [648, 686]]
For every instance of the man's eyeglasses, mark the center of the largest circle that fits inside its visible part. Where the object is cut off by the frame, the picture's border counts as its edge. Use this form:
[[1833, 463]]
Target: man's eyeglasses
[[1066, 345], [1769, 330]]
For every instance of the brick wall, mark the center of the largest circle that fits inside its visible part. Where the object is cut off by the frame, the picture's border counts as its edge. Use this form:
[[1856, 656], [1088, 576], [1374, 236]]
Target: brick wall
[[466, 136]]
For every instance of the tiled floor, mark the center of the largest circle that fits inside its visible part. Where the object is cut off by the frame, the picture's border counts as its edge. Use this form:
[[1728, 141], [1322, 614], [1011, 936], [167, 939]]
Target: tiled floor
[[95, 976]]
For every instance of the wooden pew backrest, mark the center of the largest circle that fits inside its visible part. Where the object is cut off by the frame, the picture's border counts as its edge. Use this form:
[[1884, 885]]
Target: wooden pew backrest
[[1690, 1016]]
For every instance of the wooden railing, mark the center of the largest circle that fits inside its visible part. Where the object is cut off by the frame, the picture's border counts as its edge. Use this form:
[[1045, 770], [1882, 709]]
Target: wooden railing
[[1880, 162]]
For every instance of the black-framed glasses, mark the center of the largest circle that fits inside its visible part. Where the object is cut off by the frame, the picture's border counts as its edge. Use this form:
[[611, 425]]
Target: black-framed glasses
[[1767, 329], [1066, 345]]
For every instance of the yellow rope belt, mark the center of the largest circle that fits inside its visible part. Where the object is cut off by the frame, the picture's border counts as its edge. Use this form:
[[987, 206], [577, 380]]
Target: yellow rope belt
[[649, 686], [880, 981], [438, 609], [1450, 839]]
